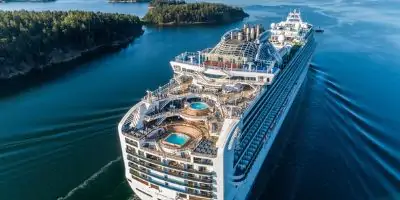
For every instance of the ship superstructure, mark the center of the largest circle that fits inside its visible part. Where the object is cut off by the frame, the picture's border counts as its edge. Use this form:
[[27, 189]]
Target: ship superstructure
[[206, 133]]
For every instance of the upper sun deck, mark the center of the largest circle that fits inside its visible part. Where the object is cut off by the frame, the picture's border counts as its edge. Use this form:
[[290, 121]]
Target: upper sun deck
[[251, 49], [246, 49]]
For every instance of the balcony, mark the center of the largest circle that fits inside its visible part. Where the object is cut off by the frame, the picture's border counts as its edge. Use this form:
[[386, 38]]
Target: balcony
[[133, 172], [130, 150], [202, 194], [131, 142], [203, 161]]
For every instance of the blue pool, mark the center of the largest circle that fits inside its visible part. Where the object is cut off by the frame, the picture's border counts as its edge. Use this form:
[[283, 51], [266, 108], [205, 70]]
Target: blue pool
[[198, 106], [177, 139]]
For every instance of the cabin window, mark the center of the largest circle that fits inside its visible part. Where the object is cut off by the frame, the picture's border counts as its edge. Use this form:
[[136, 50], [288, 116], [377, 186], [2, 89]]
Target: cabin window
[[237, 78], [182, 195], [251, 78], [213, 75]]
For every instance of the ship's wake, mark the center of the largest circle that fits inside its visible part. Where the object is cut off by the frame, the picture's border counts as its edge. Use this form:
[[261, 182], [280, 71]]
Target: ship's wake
[[50, 148], [366, 147], [79, 192]]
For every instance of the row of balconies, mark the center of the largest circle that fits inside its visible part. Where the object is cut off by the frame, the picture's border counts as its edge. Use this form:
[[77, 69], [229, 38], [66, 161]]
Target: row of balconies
[[274, 110], [196, 185], [176, 173], [190, 191], [260, 103], [172, 164]]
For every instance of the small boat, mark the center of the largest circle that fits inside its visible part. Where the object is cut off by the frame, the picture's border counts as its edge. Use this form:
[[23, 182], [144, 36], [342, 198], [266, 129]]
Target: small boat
[[319, 30]]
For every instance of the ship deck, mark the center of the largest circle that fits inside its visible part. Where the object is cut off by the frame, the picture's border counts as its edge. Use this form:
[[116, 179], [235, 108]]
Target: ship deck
[[194, 111]]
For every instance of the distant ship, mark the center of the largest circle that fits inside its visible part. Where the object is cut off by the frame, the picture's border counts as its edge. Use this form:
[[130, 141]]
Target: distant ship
[[319, 30], [206, 133]]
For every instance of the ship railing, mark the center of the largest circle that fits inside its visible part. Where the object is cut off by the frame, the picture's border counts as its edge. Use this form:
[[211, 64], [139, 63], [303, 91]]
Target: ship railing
[[184, 57], [187, 53], [139, 133], [228, 69], [171, 84], [188, 62], [207, 50]]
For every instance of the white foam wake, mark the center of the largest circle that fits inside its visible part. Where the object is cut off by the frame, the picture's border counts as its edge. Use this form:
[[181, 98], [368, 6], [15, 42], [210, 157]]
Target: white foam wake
[[89, 180]]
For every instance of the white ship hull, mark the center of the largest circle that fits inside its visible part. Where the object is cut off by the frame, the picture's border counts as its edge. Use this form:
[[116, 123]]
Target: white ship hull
[[246, 188]]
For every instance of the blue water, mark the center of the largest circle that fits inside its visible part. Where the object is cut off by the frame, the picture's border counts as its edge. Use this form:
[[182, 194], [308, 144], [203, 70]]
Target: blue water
[[177, 138], [58, 139], [198, 106]]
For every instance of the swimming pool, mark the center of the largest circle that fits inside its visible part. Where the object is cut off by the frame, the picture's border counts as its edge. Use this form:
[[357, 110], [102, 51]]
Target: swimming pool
[[177, 139], [198, 106]]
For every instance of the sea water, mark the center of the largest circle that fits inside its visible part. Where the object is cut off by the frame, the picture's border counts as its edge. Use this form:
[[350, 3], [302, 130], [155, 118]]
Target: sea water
[[58, 138]]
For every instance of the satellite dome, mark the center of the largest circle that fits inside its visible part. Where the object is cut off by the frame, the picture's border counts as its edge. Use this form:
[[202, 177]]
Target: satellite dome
[[272, 25]]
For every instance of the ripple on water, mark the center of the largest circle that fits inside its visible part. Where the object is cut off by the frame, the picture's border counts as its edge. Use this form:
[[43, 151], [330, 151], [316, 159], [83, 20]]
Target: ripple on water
[[364, 139]]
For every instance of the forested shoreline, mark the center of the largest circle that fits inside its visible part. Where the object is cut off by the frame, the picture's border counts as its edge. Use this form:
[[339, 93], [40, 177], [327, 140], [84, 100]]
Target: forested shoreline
[[177, 12], [35, 40], [128, 1]]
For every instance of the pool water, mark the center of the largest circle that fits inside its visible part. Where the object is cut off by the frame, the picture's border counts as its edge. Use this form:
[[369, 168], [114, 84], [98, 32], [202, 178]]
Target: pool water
[[177, 139], [198, 106]]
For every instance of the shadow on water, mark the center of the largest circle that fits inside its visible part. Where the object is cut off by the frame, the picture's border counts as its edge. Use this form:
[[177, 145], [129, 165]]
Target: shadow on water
[[37, 77], [271, 164]]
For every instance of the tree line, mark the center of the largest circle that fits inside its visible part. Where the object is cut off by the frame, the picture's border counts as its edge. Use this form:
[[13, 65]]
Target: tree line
[[155, 3], [180, 12], [29, 38]]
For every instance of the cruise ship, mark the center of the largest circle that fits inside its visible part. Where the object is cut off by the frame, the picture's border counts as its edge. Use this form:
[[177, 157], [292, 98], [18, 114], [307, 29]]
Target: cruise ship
[[207, 132]]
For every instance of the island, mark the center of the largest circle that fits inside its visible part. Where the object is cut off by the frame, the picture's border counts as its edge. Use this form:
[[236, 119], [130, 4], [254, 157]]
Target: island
[[172, 12], [32, 40]]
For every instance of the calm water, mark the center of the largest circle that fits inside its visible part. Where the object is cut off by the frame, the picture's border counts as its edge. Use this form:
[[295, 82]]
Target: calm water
[[58, 139]]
